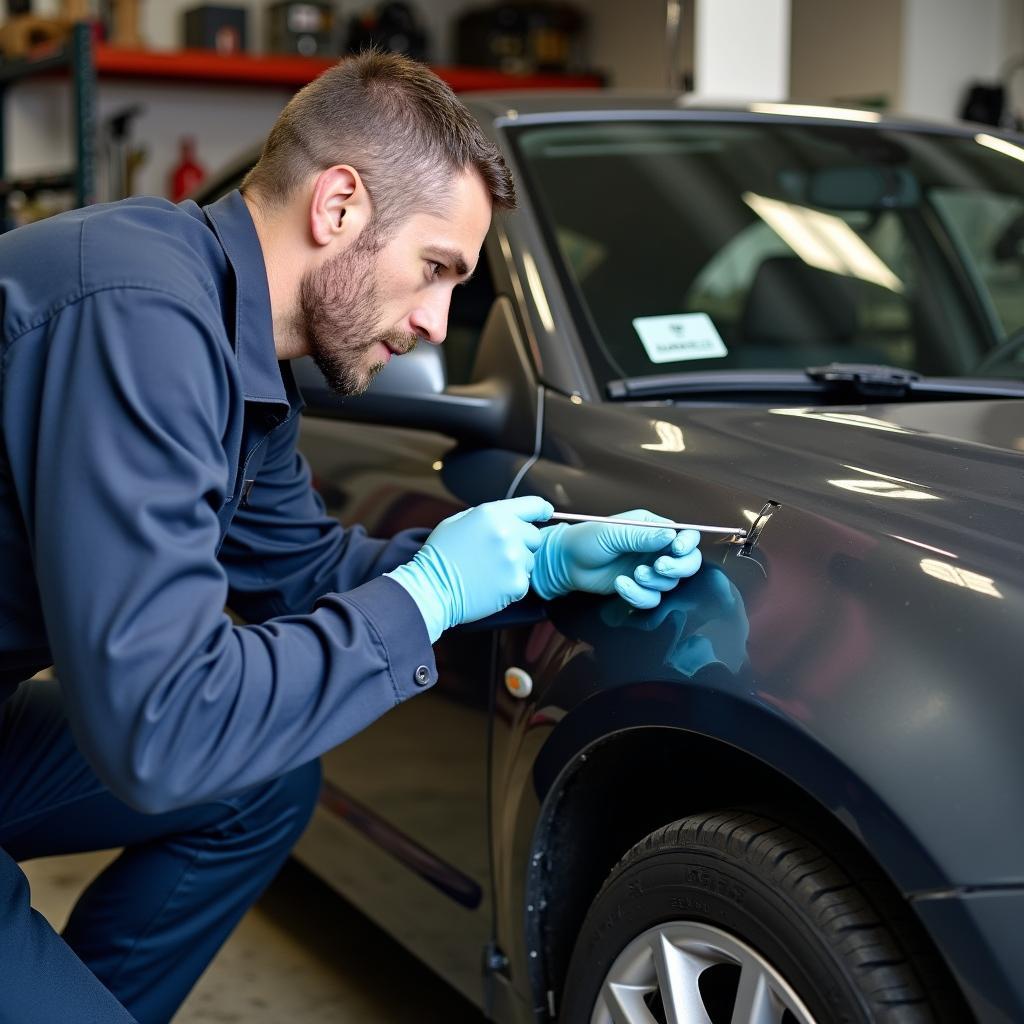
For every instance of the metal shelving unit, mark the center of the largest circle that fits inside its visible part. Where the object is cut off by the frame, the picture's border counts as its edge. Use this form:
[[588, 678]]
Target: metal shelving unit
[[77, 60]]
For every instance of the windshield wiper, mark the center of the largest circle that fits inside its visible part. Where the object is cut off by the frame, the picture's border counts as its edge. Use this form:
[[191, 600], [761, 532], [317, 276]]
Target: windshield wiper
[[837, 381], [703, 383], [866, 379]]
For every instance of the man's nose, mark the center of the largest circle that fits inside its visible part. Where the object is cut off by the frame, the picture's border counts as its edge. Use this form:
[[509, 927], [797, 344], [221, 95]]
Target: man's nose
[[430, 321]]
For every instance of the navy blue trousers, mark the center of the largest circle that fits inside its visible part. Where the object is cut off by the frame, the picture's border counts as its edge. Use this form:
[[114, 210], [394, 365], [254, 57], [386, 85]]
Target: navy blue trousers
[[146, 928]]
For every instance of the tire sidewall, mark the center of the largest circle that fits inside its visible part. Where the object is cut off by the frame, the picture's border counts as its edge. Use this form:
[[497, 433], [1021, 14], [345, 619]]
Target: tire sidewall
[[679, 885]]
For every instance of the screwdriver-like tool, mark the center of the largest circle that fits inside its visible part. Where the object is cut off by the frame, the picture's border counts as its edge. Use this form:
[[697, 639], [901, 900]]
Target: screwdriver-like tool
[[572, 517]]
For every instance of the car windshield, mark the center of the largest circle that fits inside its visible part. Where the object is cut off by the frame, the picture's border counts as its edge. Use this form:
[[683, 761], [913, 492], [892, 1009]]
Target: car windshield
[[700, 245]]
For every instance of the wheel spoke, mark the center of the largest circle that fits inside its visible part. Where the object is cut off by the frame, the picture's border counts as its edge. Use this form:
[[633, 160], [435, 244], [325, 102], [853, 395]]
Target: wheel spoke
[[670, 959], [626, 1003], [678, 973], [755, 1003]]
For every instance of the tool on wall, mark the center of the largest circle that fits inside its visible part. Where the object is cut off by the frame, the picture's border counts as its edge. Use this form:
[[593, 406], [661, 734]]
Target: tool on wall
[[122, 160]]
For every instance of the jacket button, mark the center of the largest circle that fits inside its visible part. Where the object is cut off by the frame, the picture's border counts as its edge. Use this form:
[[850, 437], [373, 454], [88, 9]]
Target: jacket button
[[422, 675]]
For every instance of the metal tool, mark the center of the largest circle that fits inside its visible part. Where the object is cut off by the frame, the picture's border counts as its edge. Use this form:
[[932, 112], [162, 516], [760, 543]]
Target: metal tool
[[572, 517]]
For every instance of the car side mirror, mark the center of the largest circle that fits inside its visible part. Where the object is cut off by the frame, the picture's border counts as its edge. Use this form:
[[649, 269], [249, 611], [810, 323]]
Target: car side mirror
[[420, 372], [497, 408]]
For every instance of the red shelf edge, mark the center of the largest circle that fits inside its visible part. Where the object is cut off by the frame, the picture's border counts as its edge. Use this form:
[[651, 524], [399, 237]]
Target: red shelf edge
[[203, 65], [246, 69]]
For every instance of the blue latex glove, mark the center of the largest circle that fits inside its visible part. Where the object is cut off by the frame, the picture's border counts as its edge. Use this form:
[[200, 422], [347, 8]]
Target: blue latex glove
[[475, 563], [602, 557]]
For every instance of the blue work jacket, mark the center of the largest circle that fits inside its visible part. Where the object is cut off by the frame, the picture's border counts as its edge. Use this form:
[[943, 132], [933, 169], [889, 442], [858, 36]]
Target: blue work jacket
[[148, 478]]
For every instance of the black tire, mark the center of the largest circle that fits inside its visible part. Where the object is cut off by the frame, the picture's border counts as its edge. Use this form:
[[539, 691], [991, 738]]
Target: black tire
[[852, 957]]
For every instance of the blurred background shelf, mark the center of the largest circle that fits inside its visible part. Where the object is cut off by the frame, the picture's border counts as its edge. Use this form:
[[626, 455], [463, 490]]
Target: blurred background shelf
[[206, 66], [85, 63], [246, 69]]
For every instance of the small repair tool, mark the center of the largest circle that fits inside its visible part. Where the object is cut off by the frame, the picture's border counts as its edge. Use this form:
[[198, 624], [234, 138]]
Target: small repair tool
[[572, 517]]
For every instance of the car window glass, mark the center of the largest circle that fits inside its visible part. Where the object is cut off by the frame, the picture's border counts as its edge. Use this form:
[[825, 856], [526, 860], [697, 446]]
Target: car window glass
[[712, 246], [882, 329], [990, 229]]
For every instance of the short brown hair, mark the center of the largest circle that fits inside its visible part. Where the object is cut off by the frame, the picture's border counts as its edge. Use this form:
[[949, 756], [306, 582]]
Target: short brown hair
[[395, 122]]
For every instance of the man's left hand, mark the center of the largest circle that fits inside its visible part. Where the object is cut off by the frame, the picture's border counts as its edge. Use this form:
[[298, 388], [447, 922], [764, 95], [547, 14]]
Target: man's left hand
[[637, 562]]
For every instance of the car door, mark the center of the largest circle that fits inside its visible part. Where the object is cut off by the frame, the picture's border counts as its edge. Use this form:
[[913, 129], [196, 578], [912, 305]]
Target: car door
[[403, 824]]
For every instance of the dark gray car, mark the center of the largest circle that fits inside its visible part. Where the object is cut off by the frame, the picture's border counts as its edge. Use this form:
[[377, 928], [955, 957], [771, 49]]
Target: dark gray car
[[795, 791]]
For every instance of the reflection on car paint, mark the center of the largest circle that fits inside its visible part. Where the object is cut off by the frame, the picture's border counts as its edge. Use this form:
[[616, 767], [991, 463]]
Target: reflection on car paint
[[462, 889], [670, 438], [701, 623], [848, 419], [959, 576]]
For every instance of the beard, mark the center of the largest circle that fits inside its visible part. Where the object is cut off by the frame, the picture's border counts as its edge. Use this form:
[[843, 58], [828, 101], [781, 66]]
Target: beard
[[339, 310]]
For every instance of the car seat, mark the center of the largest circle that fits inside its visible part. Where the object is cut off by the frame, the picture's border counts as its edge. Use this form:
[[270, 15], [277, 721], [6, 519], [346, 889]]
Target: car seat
[[796, 314]]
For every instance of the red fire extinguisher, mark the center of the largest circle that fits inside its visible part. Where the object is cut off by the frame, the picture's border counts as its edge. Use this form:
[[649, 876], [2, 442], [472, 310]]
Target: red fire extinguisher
[[187, 175]]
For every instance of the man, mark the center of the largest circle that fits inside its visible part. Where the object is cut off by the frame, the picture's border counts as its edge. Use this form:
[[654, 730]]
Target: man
[[149, 477]]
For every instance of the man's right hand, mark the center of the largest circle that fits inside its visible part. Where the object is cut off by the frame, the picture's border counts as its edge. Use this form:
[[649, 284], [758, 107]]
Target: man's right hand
[[474, 563]]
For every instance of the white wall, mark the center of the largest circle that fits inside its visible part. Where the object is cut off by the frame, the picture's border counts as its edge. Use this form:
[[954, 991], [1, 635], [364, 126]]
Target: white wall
[[1013, 49], [629, 41], [921, 54], [742, 49], [946, 44], [846, 50], [224, 120]]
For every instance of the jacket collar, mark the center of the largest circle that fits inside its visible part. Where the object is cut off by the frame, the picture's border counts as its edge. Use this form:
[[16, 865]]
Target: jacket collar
[[264, 379]]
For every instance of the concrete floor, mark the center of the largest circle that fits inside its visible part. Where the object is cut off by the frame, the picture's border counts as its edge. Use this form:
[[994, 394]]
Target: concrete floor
[[301, 954]]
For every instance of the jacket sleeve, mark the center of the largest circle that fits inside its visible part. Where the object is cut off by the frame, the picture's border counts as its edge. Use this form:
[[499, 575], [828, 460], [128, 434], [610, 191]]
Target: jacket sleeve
[[171, 703], [283, 552]]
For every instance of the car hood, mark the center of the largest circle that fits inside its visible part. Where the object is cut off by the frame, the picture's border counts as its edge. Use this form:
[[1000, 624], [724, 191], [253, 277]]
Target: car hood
[[958, 464]]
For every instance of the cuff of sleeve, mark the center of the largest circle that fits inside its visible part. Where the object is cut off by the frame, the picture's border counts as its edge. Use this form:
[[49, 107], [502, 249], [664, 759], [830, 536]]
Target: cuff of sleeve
[[395, 620]]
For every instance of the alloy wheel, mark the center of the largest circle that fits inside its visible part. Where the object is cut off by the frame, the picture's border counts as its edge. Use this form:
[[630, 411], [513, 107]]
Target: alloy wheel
[[690, 973]]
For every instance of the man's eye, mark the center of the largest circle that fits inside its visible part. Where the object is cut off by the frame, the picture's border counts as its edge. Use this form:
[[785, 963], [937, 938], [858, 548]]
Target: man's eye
[[435, 268]]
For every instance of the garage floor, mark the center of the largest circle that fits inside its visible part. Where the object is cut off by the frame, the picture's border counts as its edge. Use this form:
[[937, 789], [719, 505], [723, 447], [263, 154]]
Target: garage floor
[[301, 953]]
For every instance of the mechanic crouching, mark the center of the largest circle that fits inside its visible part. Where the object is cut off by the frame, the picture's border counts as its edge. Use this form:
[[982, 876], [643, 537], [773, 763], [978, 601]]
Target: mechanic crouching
[[149, 477]]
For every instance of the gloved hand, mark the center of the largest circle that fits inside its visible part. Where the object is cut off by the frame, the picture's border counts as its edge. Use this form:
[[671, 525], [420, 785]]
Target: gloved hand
[[474, 563], [602, 557]]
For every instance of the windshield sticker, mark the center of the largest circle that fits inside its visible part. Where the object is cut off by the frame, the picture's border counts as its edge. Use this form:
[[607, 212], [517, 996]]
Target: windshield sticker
[[670, 339]]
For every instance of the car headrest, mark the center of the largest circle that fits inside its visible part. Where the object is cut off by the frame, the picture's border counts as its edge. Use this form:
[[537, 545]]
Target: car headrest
[[792, 304]]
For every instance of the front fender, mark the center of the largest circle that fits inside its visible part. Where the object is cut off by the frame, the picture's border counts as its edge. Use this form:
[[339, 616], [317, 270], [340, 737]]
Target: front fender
[[892, 754], [763, 734]]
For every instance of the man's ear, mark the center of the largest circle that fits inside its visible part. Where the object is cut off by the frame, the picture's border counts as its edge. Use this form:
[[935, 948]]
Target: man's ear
[[339, 207]]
